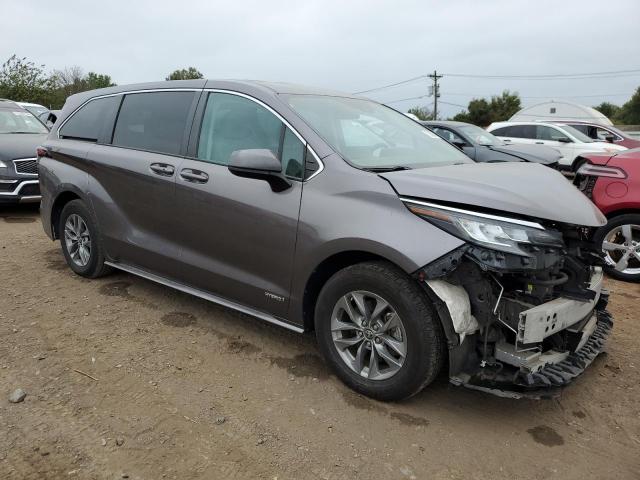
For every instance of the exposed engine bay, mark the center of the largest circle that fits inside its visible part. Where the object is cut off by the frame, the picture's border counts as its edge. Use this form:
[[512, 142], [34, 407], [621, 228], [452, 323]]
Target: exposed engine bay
[[521, 324]]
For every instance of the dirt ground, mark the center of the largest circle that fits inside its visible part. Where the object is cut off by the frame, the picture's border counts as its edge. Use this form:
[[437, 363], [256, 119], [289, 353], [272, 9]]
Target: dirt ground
[[129, 379]]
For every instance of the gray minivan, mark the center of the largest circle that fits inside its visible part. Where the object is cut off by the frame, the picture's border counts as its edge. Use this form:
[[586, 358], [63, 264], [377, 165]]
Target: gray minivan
[[317, 210]]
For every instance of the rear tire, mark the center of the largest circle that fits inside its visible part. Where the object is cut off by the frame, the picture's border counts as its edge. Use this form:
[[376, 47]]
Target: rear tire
[[612, 238], [407, 324], [81, 242]]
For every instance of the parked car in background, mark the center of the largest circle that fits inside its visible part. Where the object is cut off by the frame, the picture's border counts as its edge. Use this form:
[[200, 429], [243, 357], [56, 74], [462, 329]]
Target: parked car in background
[[482, 146], [35, 108], [612, 182], [570, 142], [603, 133], [317, 210], [20, 134]]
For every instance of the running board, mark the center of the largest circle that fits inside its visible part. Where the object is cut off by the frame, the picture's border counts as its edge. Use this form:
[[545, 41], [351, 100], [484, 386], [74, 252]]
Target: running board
[[207, 296]]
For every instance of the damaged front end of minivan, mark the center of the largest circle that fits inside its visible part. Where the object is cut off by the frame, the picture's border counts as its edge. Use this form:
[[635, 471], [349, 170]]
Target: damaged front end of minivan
[[522, 301]]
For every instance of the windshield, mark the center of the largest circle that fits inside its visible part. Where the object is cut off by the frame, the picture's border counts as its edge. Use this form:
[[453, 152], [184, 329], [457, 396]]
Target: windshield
[[37, 110], [581, 137], [479, 135], [19, 121], [372, 136]]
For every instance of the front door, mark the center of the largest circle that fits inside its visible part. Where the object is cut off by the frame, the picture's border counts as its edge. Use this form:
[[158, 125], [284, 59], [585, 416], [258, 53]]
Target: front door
[[238, 235]]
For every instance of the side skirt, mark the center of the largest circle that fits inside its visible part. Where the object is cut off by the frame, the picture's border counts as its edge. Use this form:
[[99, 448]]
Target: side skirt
[[207, 296]]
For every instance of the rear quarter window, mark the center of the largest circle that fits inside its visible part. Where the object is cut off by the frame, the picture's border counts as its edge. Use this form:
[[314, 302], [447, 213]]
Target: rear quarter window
[[91, 121]]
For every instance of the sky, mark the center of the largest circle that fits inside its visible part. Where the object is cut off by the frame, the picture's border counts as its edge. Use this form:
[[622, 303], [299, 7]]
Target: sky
[[348, 45]]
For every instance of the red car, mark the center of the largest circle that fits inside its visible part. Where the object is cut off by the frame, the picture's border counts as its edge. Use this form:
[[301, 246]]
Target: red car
[[613, 184]]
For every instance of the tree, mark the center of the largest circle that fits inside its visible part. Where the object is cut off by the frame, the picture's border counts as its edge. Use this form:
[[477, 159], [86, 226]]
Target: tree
[[190, 73], [98, 80], [629, 113], [423, 113], [608, 109], [503, 107], [22, 80], [482, 112]]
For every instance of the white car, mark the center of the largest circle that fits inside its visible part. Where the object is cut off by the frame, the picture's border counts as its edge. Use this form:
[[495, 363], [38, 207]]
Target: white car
[[570, 142], [34, 108]]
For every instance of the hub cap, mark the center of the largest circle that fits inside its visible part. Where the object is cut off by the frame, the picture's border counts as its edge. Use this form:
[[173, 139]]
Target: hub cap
[[368, 335], [77, 240], [622, 249]]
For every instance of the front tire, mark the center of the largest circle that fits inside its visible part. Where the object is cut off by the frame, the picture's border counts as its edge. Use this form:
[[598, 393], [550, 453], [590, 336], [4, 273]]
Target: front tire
[[80, 241], [620, 242], [378, 331]]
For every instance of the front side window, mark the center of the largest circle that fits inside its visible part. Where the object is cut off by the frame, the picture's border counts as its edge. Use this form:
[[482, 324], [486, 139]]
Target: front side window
[[479, 135], [19, 121], [448, 135], [549, 133], [232, 122], [154, 122], [371, 136]]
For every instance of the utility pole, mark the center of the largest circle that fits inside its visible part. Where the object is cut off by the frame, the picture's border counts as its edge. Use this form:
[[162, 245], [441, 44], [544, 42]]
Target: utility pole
[[436, 92]]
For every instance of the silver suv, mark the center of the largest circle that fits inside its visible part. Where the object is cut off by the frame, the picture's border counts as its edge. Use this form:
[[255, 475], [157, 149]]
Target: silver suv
[[320, 211]]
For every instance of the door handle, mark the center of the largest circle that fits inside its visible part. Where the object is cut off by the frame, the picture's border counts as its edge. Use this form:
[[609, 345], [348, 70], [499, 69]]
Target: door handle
[[539, 143], [162, 169], [195, 176]]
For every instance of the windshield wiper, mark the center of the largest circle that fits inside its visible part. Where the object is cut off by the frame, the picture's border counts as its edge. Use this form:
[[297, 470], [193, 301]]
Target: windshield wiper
[[394, 168]]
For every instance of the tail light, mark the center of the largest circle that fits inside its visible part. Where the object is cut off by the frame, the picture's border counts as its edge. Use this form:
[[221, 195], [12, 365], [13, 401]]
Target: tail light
[[42, 152], [589, 169]]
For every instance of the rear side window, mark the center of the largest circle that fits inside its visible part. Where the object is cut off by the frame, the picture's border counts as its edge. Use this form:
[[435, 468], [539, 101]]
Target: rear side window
[[91, 121], [232, 122], [516, 131], [154, 122]]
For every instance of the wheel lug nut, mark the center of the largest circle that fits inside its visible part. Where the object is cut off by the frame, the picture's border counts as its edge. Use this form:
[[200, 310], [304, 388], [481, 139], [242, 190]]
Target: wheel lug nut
[[378, 340]]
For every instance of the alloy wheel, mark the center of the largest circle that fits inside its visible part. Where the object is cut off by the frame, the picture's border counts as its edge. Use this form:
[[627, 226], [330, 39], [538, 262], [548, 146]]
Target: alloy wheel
[[77, 240], [621, 247], [369, 335]]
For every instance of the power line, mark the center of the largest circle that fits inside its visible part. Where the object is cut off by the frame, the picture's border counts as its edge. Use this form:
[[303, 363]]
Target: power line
[[543, 96], [391, 85], [555, 76]]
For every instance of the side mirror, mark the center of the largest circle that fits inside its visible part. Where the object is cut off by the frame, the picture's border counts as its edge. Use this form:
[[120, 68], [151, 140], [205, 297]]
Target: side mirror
[[610, 138], [564, 140], [261, 164]]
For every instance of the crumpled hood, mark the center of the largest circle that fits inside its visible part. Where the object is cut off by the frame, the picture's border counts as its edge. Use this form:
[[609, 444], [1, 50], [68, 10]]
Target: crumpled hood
[[527, 189], [20, 145], [530, 153]]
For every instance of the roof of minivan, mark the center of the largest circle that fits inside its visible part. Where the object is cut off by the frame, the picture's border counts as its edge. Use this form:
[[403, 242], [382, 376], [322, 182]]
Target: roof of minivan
[[269, 88], [451, 123]]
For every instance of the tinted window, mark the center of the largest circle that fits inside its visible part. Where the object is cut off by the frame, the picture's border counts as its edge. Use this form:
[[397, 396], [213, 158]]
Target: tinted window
[[153, 121], [89, 123], [517, 131], [292, 155], [233, 123]]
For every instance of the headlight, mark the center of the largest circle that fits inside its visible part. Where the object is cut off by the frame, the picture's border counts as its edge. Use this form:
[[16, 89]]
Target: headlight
[[491, 231], [2, 164]]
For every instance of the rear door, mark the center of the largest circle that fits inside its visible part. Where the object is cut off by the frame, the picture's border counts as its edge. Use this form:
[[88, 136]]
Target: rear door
[[132, 179], [238, 235]]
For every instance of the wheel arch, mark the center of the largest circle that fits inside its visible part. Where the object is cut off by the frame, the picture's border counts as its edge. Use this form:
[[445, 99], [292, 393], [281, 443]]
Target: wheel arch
[[58, 205], [324, 271]]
